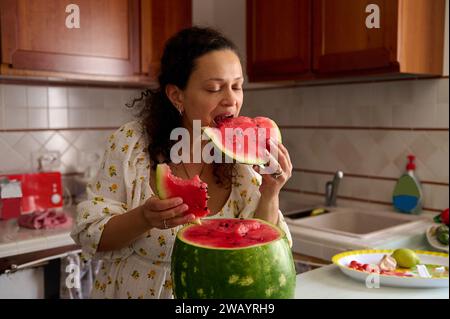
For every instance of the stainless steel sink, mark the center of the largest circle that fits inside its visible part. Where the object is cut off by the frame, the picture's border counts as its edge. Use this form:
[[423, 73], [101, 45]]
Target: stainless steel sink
[[359, 224]]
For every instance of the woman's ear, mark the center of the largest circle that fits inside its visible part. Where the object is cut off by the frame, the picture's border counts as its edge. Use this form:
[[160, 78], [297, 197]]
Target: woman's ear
[[175, 96]]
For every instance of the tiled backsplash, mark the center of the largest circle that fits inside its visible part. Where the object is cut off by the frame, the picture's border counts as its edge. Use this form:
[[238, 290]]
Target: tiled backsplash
[[366, 130], [71, 120]]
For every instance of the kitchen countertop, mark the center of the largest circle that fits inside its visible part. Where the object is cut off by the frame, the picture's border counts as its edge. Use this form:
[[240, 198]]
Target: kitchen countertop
[[15, 240], [330, 283]]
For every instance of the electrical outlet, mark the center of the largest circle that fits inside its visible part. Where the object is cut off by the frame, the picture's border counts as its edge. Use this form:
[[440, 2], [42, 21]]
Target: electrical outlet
[[46, 160]]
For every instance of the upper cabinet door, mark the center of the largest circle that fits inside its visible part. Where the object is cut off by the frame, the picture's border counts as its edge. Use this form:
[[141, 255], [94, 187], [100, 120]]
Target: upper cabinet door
[[408, 39], [160, 21], [35, 36], [343, 42], [278, 39]]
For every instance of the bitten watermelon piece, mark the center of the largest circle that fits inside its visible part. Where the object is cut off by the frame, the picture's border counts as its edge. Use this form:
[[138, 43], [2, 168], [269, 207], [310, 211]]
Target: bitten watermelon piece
[[244, 139], [232, 258], [194, 191]]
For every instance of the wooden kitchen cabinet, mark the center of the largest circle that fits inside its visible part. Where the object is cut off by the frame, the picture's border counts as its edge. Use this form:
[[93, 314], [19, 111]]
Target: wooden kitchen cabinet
[[115, 41], [160, 20], [410, 40], [278, 39]]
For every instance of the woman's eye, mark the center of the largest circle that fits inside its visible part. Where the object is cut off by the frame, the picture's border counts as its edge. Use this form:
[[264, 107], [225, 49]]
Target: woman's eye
[[213, 90], [237, 88]]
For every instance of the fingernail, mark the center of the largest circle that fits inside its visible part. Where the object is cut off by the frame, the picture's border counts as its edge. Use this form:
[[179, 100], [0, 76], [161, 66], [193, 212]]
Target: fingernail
[[179, 201], [185, 207]]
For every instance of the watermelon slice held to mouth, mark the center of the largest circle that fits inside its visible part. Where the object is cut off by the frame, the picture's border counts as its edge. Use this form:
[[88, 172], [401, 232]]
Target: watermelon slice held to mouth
[[244, 139], [194, 192], [232, 258]]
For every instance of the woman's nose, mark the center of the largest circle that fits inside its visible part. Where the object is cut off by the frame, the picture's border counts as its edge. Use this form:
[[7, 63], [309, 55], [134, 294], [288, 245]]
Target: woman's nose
[[229, 98]]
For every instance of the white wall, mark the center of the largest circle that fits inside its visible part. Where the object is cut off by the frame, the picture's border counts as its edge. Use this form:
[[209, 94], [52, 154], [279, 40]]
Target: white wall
[[228, 16]]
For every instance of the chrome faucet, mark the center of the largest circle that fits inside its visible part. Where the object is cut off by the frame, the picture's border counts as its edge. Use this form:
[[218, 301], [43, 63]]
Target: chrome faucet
[[331, 189]]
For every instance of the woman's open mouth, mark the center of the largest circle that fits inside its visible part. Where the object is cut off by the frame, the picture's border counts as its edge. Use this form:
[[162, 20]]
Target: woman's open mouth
[[220, 118]]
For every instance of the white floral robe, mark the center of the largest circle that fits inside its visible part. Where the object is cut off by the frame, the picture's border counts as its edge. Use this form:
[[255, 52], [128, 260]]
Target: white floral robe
[[142, 269]]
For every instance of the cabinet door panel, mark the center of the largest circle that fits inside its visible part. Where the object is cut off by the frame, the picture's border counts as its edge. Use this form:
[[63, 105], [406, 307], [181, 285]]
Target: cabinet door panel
[[278, 38], [160, 21], [35, 36], [343, 42]]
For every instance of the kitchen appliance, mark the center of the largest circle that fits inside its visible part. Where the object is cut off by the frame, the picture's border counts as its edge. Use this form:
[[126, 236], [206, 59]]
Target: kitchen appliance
[[40, 191]]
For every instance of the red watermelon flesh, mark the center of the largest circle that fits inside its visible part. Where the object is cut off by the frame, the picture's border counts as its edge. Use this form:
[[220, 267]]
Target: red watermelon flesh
[[243, 138], [194, 191], [231, 233]]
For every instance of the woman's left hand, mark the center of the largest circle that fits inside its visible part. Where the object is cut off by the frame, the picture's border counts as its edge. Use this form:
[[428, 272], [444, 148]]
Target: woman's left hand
[[272, 183]]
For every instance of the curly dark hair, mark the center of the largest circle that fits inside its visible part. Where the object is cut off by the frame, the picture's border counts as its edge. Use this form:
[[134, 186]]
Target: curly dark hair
[[159, 115]]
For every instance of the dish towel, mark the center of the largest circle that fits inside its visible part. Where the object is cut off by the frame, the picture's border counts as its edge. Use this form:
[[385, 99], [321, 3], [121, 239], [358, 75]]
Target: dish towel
[[45, 220]]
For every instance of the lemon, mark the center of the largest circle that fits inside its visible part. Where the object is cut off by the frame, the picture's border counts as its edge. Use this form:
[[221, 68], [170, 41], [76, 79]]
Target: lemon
[[406, 258]]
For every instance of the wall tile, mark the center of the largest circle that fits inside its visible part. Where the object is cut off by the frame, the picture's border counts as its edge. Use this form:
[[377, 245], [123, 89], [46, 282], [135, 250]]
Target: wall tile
[[57, 97], [57, 143], [381, 115], [424, 92], [58, 118], [11, 138], [78, 117], [37, 118], [42, 137], [13, 162], [443, 91], [79, 97], [27, 145], [37, 96], [98, 117], [2, 111], [442, 115], [112, 98], [16, 118], [14, 95]]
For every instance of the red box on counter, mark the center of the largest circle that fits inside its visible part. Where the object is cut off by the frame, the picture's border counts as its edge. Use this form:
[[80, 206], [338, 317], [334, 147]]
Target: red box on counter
[[40, 191]]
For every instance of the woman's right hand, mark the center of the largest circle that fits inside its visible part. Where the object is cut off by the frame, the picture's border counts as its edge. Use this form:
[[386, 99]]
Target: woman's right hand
[[166, 213]]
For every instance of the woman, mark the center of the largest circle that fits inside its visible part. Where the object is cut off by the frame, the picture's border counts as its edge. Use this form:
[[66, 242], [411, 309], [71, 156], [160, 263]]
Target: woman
[[122, 222]]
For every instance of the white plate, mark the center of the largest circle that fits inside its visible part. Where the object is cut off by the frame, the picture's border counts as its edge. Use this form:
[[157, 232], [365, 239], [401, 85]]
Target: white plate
[[374, 256], [432, 239]]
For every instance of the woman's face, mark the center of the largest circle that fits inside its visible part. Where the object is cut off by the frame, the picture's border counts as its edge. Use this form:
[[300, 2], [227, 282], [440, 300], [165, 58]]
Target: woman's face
[[214, 89]]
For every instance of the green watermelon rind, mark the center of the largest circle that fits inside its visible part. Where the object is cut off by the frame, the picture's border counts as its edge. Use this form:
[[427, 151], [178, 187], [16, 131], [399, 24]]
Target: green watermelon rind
[[215, 135], [162, 171], [262, 271]]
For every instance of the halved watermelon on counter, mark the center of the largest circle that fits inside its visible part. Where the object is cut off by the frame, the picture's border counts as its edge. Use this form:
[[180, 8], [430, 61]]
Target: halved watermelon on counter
[[232, 258]]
